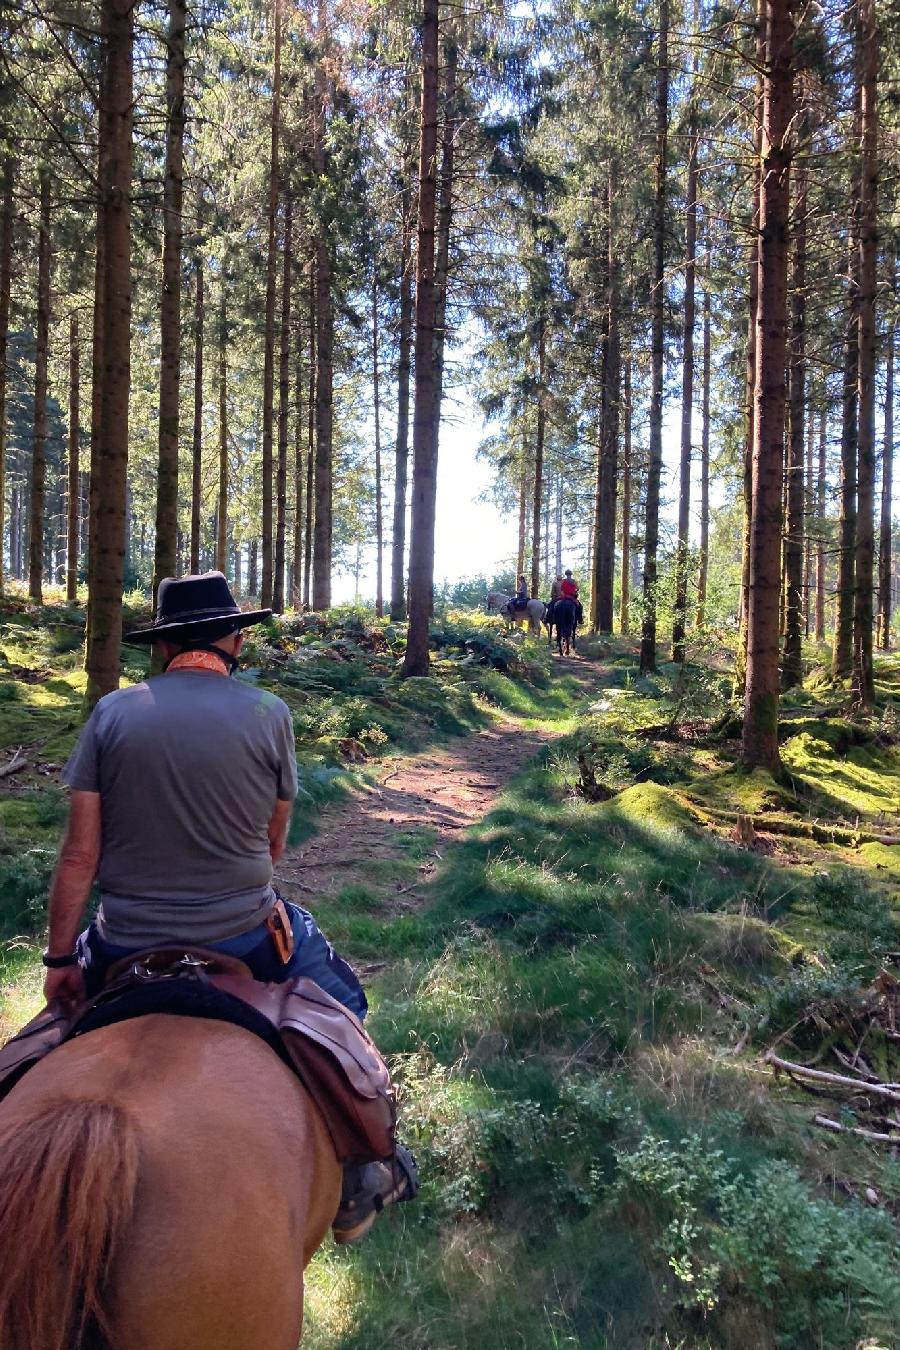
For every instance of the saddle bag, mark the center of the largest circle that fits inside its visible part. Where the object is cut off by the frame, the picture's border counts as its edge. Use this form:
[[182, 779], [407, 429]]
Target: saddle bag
[[321, 1040]]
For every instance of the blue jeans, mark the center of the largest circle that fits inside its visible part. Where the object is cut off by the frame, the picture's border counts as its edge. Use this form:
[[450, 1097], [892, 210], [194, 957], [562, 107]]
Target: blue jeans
[[313, 957]]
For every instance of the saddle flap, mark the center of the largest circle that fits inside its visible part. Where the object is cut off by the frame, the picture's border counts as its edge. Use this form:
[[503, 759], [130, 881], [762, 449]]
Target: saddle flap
[[334, 1058], [36, 1039]]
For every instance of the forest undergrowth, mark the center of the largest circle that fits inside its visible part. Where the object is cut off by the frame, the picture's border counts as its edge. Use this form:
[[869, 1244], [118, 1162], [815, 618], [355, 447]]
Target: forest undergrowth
[[580, 1031], [579, 1016]]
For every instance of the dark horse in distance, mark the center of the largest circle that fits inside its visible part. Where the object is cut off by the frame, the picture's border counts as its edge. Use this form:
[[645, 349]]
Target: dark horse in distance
[[563, 616]]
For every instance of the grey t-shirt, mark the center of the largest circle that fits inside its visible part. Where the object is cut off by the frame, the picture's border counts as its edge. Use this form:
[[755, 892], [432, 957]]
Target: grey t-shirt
[[188, 766]]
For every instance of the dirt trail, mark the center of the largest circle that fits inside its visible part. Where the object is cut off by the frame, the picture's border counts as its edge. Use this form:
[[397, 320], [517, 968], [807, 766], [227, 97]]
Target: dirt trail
[[441, 790]]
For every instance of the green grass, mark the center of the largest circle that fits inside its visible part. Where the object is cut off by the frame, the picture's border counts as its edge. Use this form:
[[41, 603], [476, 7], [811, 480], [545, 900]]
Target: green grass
[[600, 1168]]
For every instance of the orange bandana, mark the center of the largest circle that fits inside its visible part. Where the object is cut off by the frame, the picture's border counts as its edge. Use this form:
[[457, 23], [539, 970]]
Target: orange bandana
[[198, 661]]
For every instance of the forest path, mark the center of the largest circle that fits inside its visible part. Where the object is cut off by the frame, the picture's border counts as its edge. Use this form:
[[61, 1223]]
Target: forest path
[[418, 804]]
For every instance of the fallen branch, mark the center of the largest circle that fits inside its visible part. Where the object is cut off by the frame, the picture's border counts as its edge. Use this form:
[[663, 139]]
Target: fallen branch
[[799, 829], [837, 1128], [18, 761], [835, 1079]]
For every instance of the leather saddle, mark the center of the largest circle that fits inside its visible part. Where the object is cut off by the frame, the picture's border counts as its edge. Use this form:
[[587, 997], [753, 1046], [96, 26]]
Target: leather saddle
[[322, 1041]]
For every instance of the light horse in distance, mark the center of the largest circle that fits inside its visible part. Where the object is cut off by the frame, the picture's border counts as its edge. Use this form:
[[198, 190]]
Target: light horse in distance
[[163, 1184], [532, 614]]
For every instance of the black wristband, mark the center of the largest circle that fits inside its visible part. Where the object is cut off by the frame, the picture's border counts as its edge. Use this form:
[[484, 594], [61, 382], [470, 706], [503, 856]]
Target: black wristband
[[59, 962]]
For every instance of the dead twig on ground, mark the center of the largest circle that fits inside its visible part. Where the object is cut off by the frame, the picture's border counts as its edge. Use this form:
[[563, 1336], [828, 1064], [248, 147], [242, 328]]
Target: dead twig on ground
[[838, 1080], [837, 1128]]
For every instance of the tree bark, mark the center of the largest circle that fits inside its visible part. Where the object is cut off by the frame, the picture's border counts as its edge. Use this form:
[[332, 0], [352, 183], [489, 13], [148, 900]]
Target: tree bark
[[73, 502], [760, 735], [740, 665], [538, 482], [820, 527], [39, 450], [165, 563], [197, 434], [6, 249], [284, 399], [558, 567], [268, 411], [222, 508], [792, 670], [421, 553], [808, 516], [687, 401], [605, 543], [442, 242], [842, 653], [863, 615], [887, 485], [625, 587], [657, 350], [703, 561], [299, 470], [523, 501], [253, 567], [401, 451], [108, 526], [379, 522], [321, 589], [310, 443]]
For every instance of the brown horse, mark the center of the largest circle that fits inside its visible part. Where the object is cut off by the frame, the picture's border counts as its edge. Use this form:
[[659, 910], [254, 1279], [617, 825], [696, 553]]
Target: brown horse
[[163, 1184]]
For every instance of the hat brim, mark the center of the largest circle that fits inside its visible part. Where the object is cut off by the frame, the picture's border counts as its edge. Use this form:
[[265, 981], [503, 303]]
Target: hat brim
[[160, 632]]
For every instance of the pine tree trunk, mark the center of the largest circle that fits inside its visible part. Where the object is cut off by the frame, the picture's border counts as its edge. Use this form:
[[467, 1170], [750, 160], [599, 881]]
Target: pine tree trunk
[[39, 451], [321, 585], [197, 433], [401, 453], [442, 247], [703, 562], [740, 665], [792, 670], [863, 615], [421, 551], [842, 653], [820, 528], [760, 736], [284, 399], [165, 562], [657, 350], [605, 545], [687, 403], [73, 480], [299, 470], [625, 587], [222, 507], [379, 523], [6, 248], [268, 410], [108, 526], [887, 486], [523, 503], [538, 482], [253, 567], [310, 443], [807, 520], [559, 526]]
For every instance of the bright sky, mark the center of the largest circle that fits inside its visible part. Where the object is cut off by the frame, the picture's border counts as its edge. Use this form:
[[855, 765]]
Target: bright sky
[[472, 537]]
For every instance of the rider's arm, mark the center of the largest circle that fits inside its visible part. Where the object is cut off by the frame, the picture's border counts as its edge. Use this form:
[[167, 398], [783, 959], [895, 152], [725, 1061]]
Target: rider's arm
[[79, 857], [278, 828]]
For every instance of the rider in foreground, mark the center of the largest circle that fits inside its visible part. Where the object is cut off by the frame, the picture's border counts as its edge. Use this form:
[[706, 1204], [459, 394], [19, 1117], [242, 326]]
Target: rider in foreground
[[182, 788]]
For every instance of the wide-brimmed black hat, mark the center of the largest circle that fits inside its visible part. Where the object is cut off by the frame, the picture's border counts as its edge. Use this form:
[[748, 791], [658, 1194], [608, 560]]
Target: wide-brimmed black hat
[[185, 606]]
